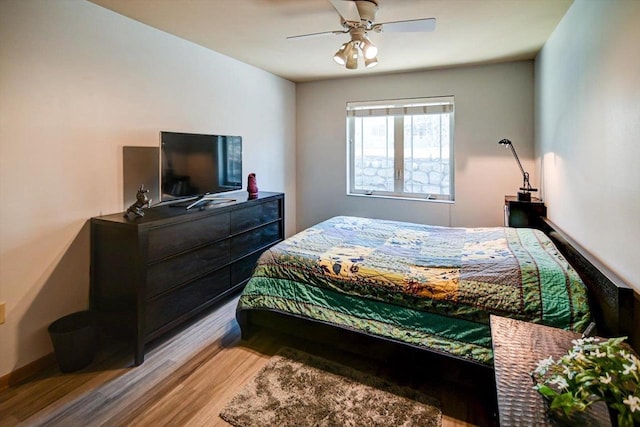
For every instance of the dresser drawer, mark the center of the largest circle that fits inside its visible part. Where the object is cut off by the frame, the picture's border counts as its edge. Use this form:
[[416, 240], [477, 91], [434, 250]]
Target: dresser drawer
[[189, 265], [170, 307], [176, 238], [246, 243], [248, 218], [242, 270]]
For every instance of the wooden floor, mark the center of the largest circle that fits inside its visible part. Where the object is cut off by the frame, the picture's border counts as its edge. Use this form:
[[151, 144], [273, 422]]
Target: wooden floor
[[188, 377]]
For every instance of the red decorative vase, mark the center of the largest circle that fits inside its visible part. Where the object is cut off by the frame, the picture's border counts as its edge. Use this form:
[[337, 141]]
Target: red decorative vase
[[252, 186]]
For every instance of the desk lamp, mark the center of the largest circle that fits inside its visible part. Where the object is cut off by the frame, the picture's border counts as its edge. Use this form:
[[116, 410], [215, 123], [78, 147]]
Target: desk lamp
[[524, 195]]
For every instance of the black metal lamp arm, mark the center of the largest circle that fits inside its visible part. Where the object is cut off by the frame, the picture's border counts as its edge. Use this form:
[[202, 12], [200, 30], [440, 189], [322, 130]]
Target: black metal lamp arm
[[525, 175], [513, 151]]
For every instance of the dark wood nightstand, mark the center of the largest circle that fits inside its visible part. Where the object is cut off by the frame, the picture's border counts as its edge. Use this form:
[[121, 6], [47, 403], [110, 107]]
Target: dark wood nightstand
[[523, 214], [517, 348]]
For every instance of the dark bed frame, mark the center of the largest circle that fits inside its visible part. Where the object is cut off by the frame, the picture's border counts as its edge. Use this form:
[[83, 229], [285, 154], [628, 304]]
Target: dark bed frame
[[614, 305]]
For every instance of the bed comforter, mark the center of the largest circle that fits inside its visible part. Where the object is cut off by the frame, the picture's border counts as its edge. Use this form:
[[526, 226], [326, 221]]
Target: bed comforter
[[424, 285]]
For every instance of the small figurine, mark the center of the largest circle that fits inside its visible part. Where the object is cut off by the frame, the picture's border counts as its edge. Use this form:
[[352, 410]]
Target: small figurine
[[142, 201], [252, 186]]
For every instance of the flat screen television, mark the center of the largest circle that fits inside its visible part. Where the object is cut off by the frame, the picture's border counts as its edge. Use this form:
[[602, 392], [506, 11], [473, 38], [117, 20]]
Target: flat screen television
[[196, 165]]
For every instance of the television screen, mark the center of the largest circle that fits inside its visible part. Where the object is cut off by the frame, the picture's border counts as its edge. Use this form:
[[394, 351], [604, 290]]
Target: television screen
[[194, 165]]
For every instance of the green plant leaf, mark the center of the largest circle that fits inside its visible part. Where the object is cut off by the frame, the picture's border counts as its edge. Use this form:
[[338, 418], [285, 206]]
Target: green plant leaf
[[547, 391]]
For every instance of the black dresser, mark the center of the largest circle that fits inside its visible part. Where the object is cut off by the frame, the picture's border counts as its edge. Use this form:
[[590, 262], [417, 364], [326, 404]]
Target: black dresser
[[152, 273]]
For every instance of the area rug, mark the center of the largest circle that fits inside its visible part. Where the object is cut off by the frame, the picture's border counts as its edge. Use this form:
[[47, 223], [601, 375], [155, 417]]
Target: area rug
[[298, 389]]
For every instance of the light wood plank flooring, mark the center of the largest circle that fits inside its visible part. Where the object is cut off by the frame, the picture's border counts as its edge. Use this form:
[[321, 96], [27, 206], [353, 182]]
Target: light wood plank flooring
[[187, 378]]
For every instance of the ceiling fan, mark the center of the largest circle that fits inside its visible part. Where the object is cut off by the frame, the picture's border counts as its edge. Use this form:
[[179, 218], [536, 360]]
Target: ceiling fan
[[358, 17]]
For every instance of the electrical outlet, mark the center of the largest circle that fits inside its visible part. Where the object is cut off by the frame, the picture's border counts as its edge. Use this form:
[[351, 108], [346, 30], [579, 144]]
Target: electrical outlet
[[2, 305]]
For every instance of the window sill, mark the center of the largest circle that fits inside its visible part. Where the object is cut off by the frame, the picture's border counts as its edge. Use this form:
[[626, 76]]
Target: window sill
[[413, 199]]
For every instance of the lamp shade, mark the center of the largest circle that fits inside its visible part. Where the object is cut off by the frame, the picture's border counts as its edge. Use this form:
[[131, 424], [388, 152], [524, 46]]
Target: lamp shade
[[352, 59], [342, 54], [371, 62], [369, 50]]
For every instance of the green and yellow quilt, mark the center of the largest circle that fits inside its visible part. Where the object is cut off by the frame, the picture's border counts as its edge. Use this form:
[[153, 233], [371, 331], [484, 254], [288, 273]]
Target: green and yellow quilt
[[424, 285]]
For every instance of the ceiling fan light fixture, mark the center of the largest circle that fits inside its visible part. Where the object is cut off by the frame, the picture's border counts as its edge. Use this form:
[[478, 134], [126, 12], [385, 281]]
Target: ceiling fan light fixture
[[342, 54], [368, 49], [358, 19], [370, 62], [352, 59]]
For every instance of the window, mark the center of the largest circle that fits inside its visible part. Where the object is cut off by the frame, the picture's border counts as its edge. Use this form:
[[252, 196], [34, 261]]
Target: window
[[401, 148]]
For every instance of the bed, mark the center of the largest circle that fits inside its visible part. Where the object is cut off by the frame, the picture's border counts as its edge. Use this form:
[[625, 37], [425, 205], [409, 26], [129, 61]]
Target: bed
[[424, 286]]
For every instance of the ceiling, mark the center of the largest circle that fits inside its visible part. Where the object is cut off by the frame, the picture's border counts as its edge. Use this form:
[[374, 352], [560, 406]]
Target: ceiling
[[254, 32]]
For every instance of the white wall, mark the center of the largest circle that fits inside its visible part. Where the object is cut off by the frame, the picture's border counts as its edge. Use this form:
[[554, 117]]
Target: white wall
[[491, 102], [77, 82], [588, 130]]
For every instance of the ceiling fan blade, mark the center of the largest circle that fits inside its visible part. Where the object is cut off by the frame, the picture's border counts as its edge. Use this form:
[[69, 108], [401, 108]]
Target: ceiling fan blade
[[410, 26], [347, 9], [323, 33]]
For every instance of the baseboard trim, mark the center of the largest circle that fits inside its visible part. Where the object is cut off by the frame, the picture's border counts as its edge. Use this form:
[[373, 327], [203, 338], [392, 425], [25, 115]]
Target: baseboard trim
[[27, 371]]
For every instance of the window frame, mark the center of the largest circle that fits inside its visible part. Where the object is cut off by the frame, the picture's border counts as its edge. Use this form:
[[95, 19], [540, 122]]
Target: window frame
[[398, 109]]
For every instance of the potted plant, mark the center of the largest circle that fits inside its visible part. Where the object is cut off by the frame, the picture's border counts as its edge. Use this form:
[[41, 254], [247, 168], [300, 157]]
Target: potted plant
[[593, 370]]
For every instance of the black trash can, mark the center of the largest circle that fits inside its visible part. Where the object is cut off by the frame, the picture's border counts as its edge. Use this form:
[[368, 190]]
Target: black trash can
[[74, 340]]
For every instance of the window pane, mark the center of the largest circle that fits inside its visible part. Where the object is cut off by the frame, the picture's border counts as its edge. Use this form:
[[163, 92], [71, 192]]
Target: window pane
[[373, 153], [426, 154], [402, 148]]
